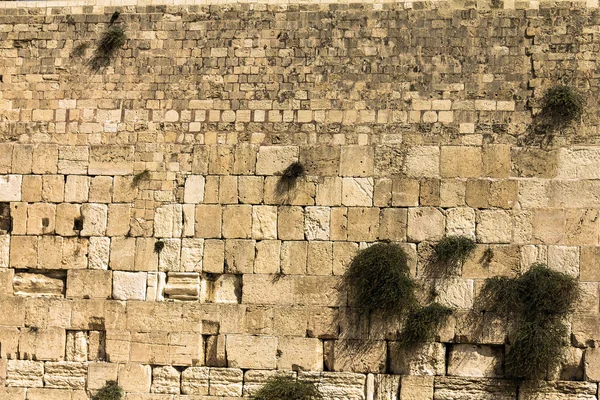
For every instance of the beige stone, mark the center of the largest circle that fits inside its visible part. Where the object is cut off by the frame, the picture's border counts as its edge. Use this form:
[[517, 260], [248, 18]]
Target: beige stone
[[356, 161], [89, 284], [41, 219], [416, 387], [183, 286], [67, 217], [169, 258], [356, 355], [250, 189], [460, 221], [239, 256], [428, 359], [264, 222], [425, 224], [405, 192], [496, 160], [31, 188], [564, 259], [122, 251], [53, 188], [339, 223], [18, 215], [52, 251], [382, 192], [267, 258], [65, 374], [228, 190], [225, 382], [300, 353], [38, 285], [475, 361], [320, 258], [22, 373], [99, 373], [494, 226], [274, 159], [43, 344], [22, 158], [208, 221], [101, 188], [294, 257], [77, 188], [165, 380], [129, 285], [214, 256], [357, 192], [316, 223], [135, 377], [118, 219], [237, 221], [461, 162], [23, 251], [194, 189], [246, 351], [363, 224], [422, 161], [194, 380], [290, 223], [329, 191], [392, 224], [168, 221], [320, 160], [99, 252], [94, 219]]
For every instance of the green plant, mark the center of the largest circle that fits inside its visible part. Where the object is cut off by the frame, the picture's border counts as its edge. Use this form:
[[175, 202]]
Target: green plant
[[288, 388], [159, 245], [537, 301], [112, 39], [422, 323], [141, 177], [562, 104], [289, 177], [378, 279], [79, 50], [110, 391], [453, 249]]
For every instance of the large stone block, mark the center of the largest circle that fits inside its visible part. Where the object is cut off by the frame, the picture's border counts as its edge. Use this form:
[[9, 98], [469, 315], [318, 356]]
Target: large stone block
[[89, 284], [290, 223], [414, 387], [428, 359], [225, 382], [135, 377], [274, 159], [165, 380], [39, 285], [256, 379], [194, 380], [316, 223], [461, 162], [425, 224], [95, 217], [41, 219], [357, 192], [65, 375], [168, 221], [239, 256], [264, 222], [43, 344], [298, 353], [363, 224], [363, 356], [246, 351], [237, 221], [422, 162], [455, 388], [208, 221], [494, 226], [99, 252], [22, 373], [475, 361], [129, 285], [10, 187], [337, 385], [122, 253], [194, 189], [357, 161], [101, 372]]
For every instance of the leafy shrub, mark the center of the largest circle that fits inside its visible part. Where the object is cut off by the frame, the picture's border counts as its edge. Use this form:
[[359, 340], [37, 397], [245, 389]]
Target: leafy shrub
[[423, 322], [112, 39], [110, 391], [562, 104], [141, 177], [537, 301], [453, 249], [289, 177], [288, 388], [378, 279]]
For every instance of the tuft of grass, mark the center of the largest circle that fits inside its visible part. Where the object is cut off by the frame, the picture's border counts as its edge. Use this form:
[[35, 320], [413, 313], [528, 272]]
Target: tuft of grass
[[112, 39], [422, 323], [538, 302], [141, 177], [561, 105], [110, 391], [288, 388], [453, 249], [378, 279], [159, 245], [289, 177]]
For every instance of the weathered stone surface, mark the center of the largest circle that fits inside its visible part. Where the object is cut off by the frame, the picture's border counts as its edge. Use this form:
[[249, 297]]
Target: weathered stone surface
[[165, 380], [274, 159], [558, 390], [45, 344], [191, 254], [425, 224], [386, 387], [194, 380], [101, 372], [494, 226], [135, 377], [298, 353], [337, 385], [168, 221], [65, 374], [316, 223], [460, 221], [225, 382], [475, 361], [422, 161], [99, 252], [246, 351], [413, 387], [357, 192], [428, 359], [169, 258], [38, 285], [264, 222], [10, 187], [183, 286], [239, 256], [129, 285], [22, 373], [94, 219], [256, 379], [194, 189], [356, 161], [356, 356], [454, 388], [455, 293]]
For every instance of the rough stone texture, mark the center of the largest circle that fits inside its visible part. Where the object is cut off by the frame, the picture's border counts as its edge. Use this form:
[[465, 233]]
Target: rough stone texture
[[428, 359], [453, 388], [225, 382], [21, 373], [71, 375], [475, 361], [129, 285], [165, 380], [245, 351]]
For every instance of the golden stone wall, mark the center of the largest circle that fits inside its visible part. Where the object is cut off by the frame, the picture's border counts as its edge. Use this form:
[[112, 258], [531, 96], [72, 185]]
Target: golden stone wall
[[144, 238]]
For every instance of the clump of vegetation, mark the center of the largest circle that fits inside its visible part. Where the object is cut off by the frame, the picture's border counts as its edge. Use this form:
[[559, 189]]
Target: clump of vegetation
[[561, 105], [453, 249], [538, 302], [112, 39], [141, 177], [159, 245], [110, 391], [288, 388], [378, 279], [422, 323], [79, 50], [289, 177]]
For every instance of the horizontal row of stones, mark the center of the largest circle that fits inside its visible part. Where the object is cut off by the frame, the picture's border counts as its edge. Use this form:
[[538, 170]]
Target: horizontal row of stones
[[476, 161]]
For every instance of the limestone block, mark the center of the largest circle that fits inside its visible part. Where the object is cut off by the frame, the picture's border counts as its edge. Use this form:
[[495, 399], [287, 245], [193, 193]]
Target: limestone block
[[246, 351], [73, 159], [6, 281], [38, 285], [558, 390], [357, 161], [9, 337], [89, 284], [580, 162], [460, 221], [43, 344], [22, 158], [320, 258], [339, 223], [504, 261], [111, 160], [165, 380], [183, 286], [94, 219], [6, 150], [357, 192], [477, 193], [67, 217], [150, 347], [294, 257], [548, 226], [452, 192], [581, 227], [99, 252], [10, 187], [146, 257], [168, 221], [591, 364], [118, 347], [118, 219], [363, 224], [191, 255], [382, 192], [31, 188], [274, 159], [392, 224], [45, 159], [343, 253], [461, 162], [123, 189], [65, 374], [475, 361], [494, 226], [135, 377], [429, 359], [225, 382], [18, 215], [156, 286], [337, 385], [54, 252], [329, 191], [23, 251], [41, 219], [194, 189], [22, 373], [221, 159], [264, 222], [77, 346], [504, 193], [194, 380], [571, 366], [227, 288], [356, 355], [12, 393], [316, 223], [263, 289], [99, 373], [129, 285], [237, 221], [208, 221], [214, 256], [122, 251], [317, 291], [250, 189], [405, 192], [564, 259], [299, 353], [267, 257], [244, 159], [256, 379], [239, 256], [169, 258], [215, 351], [290, 223], [590, 263], [77, 189], [453, 388], [416, 387], [320, 160], [53, 188], [189, 213], [455, 293], [422, 162], [228, 191], [101, 188], [385, 387], [425, 224]]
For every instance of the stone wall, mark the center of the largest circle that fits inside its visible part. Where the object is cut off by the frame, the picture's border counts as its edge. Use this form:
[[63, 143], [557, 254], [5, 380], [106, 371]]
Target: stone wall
[[144, 238]]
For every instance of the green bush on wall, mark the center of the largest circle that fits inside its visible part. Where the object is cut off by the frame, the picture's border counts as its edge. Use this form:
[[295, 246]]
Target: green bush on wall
[[288, 388], [422, 323], [379, 280], [561, 104], [538, 302], [110, 391]]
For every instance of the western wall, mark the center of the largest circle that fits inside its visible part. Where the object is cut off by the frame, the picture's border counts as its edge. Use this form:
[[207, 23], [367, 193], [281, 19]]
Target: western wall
[[146, 239]]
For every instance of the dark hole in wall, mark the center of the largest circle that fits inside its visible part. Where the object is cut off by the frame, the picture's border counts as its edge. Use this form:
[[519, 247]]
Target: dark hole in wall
[[45, 222], [5, 219], [1, 79], [78, 224]]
